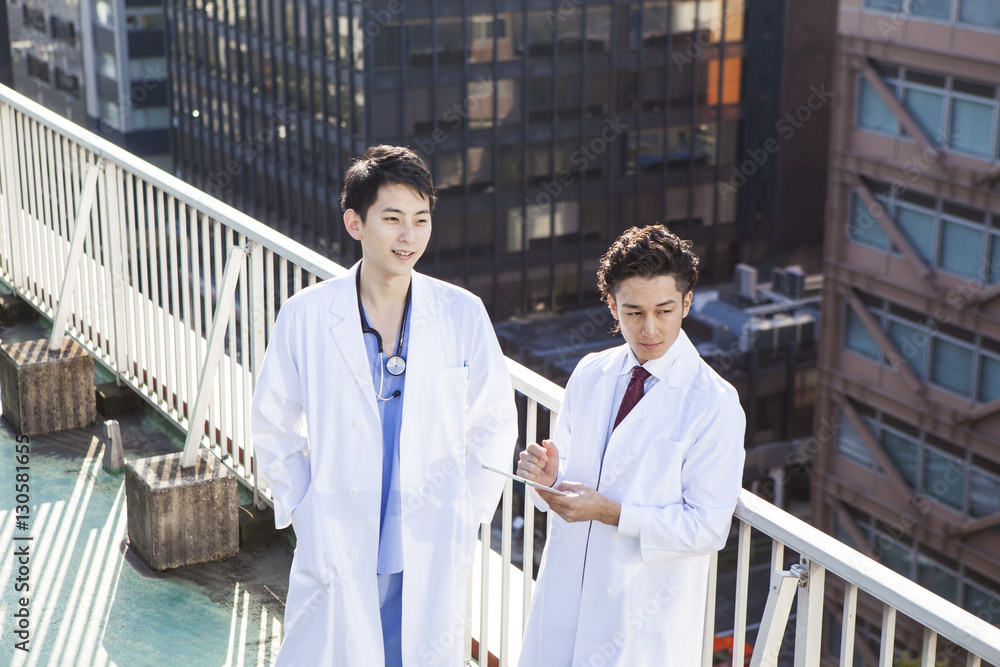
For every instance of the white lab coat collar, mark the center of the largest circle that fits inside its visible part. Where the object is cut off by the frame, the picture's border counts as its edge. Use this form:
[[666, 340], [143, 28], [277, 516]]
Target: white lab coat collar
[[658, 368]]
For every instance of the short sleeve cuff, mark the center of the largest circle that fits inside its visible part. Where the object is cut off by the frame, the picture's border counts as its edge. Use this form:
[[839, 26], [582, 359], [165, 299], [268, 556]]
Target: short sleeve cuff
[[629, 521]]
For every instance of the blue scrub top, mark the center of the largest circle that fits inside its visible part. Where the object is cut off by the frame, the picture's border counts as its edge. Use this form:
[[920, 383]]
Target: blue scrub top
[[390, 537]]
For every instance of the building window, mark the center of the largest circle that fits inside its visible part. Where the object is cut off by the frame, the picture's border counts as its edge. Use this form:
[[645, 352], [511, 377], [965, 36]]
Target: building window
[[863, 228], [146, 18], [111, 114], [872, 113], [955, 113], [989, 378], [851, 446], [38, 69], [66, 82], [978, 13], [904, 453], [64, 30], [147, 69], [962, 241], [959, 361], [965, 482], [952, 366], [856, 336], [944, 478], [107, 65], [982, 13], [153, 118], [540, 224], [885, 5], [33, 17], [104, 13]]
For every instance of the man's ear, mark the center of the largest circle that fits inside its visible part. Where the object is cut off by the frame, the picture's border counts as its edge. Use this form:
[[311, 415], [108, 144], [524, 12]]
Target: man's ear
[[613, 306], [688, 300], [353, 223]]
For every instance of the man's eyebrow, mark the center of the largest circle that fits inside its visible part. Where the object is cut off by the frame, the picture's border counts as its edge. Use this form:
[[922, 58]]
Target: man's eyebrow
[[665, 303], [392, 209]]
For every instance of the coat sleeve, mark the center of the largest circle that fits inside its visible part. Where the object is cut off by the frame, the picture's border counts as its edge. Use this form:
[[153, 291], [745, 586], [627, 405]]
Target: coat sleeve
[[278, 422], [711, 479], [490, 417]]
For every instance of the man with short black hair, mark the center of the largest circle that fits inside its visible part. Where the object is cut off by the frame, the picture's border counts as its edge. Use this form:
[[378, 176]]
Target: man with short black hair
[[381, 395], [649, 443]]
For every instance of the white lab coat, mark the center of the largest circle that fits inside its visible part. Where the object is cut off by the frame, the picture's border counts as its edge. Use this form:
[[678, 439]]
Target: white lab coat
[[317, 438], [605, 596]]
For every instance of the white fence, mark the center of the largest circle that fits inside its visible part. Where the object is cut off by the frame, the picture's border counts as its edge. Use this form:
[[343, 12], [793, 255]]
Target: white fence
[[176, 293]]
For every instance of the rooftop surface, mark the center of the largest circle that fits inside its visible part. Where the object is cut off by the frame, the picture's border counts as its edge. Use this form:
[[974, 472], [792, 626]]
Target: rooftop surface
[[93, 601]]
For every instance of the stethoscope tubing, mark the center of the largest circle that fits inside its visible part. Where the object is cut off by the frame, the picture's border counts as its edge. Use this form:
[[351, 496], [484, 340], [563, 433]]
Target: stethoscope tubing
[[394, 365]]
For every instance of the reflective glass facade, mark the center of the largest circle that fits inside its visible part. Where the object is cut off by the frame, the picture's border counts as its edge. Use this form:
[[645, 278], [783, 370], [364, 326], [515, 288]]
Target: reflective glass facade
[[550, 127]]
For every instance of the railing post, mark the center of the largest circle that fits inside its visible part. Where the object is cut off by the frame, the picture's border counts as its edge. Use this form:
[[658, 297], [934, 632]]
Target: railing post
[[258, 320], [80, 232], [11, 175], [710, 590], [119, 273], [196, 424], [809, 624]]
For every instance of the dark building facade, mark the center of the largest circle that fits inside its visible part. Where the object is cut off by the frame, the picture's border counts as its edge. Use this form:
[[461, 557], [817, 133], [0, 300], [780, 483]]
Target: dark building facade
[[100, 64], [6, 73], [550, 126]]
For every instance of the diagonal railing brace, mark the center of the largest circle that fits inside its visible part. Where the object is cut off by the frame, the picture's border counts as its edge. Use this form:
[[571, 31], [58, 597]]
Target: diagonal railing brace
[[80, 232], [235, 269]]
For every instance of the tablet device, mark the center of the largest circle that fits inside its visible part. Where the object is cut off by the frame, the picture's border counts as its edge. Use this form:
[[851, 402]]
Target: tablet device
[[516, 478]]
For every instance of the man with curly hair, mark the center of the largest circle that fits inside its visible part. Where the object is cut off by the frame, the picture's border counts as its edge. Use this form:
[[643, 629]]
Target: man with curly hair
[[649, 443]]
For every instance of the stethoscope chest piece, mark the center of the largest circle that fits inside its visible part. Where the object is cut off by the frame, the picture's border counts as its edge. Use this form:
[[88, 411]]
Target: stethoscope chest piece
[[395, 365]]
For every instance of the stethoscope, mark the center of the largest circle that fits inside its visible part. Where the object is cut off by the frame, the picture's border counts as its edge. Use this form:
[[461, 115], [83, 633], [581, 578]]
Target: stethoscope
[[394, 365]]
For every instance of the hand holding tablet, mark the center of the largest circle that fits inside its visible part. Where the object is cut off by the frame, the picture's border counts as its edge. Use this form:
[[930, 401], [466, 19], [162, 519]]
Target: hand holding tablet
[[528, 482]]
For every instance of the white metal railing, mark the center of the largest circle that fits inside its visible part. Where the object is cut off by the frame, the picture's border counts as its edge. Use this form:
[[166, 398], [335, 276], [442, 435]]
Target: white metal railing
[[176, 293]]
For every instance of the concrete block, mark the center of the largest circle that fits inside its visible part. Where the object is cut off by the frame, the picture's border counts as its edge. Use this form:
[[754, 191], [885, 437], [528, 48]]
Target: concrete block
[[45, 391], [181, 516], [115, 401], [257, 526], [15, 309]]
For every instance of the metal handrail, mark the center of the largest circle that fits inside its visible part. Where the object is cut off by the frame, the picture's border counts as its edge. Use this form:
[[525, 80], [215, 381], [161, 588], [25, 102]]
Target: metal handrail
[[156, 340]]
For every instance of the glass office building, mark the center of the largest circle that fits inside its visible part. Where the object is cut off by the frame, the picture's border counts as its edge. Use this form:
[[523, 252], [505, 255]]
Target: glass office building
[[550, 126]]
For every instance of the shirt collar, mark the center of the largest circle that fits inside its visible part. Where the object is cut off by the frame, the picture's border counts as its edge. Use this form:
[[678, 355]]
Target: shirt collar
[[658, 368]]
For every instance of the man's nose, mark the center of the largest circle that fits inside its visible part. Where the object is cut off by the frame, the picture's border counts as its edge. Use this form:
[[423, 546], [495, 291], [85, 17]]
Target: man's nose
[[650, 327], [406, 232]]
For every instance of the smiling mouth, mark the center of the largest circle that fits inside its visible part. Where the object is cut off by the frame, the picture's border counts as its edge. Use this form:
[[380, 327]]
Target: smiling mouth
[[402, 253]]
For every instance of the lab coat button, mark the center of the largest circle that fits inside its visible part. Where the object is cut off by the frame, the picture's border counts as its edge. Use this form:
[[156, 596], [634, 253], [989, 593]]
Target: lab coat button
[[357, 423], [353, 491], [354, 553], [628, 476], [607, 591], [614, 535]]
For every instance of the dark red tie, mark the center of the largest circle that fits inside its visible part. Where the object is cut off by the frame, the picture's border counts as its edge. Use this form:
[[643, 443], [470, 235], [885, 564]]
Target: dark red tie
[[632, 395]]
